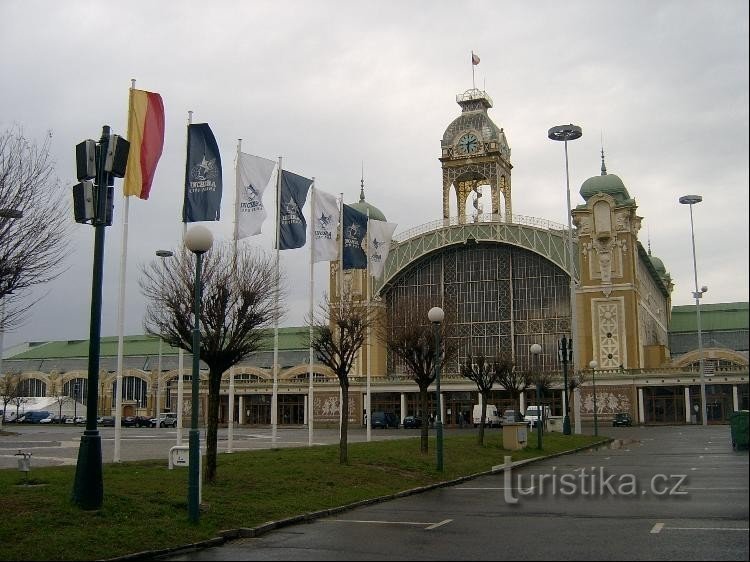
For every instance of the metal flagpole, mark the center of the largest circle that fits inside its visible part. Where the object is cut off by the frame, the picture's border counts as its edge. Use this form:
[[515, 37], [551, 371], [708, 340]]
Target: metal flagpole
[[121, 311], [275, 395], [368, 401], [181, 353], [310, 375], [341, 292]]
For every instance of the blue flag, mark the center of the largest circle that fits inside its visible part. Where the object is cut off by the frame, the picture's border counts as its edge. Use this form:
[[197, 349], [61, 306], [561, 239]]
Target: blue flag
[[355, 230], [202, 176], [292, 223]]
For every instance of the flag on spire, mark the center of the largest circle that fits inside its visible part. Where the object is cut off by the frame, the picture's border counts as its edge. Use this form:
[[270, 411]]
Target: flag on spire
[[474, 59]]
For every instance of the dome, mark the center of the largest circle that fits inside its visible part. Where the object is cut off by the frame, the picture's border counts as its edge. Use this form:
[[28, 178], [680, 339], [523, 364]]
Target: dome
[[606, 183], [658, 266], [363, 207]]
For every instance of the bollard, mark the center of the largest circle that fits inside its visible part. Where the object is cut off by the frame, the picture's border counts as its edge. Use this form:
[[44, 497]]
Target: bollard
[[24, 463]]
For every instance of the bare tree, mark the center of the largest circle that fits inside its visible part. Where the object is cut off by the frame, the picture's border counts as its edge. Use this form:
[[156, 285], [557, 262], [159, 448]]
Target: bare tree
[[239, 300], [34, 221], [339, 331], [484, 373], [8, 390], [411, 339], [60, 398], [515, 381]]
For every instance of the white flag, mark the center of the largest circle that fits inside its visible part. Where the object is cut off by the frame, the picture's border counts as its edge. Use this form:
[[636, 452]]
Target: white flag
[[379, 235], [325, 225], [254, 175]]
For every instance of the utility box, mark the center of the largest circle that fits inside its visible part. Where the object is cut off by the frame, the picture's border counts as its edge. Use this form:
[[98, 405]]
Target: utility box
[[515, 436]]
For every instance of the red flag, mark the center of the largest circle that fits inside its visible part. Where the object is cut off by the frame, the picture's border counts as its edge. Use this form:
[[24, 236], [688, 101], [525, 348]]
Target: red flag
[[146, 136]]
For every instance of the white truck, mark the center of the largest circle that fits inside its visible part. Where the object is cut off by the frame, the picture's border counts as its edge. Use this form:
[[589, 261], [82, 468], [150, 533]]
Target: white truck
[[492, 419], [532, 414]]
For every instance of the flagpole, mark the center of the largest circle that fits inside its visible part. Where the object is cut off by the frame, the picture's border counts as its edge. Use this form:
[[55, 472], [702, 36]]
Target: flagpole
[[274, 396], [181, 352], [121, 308], [341, 291], [369, 350], [310, 390], [230, 426], [237, 183]]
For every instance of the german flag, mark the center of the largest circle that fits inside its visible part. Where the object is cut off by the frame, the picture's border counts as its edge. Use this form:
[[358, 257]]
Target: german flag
[[146, 136]]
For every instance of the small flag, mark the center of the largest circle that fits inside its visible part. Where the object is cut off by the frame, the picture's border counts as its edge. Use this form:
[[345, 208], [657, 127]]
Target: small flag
[[325, 225], [354, 229], [379, 236], [146, 136], [202, 176], [474, 59], [254, 175], [292, 223]]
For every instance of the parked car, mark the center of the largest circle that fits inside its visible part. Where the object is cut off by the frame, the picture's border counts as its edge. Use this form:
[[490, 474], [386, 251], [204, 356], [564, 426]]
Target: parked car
[[34, 417], [384, 420], [143, 421], [59, 419], [512, 416], [412, 422], [48, 419], [165, 419], [128, 421], [622, 418], [107, 421], [79, 420]]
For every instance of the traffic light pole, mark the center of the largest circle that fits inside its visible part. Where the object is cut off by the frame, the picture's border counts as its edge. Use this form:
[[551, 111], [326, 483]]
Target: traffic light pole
[[88, 488]]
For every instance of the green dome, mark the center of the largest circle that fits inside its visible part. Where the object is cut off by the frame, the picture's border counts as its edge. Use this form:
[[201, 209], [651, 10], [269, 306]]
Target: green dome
[[606, 183], [363, 207], [658, 266]]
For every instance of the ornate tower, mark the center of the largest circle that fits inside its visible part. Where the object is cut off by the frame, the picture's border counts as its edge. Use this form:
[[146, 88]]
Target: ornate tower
[[475, 152], [624, 296]]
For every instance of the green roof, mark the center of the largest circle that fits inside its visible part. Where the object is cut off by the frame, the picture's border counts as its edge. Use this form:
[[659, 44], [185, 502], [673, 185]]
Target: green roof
[[714, 317], [292, 338]]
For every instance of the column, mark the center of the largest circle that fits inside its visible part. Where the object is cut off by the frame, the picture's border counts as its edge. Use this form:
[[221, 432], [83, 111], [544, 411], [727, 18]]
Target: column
[[304, 415], [404, 413], [442, 408], [241, 418], [577, 409], [522, 402], [641, 415], [687, 404], [735, 398]]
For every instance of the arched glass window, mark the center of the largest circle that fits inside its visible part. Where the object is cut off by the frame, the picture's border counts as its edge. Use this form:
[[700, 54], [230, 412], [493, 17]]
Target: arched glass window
[[77, 389], [134, 388], [32, 387]]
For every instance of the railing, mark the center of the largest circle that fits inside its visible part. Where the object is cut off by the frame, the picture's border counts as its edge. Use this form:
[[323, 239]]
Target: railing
[[486, 218]]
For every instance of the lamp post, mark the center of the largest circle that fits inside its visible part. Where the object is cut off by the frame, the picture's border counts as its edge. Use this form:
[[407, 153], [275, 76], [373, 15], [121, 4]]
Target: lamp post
[[692, 200], [198, 240], [535, 350], [593, 365], [565, 354], [565, 133], [163, 254], [436, 315]]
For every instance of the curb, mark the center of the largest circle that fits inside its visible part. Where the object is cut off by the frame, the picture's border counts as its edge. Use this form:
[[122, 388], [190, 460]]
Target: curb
[[254, 532]]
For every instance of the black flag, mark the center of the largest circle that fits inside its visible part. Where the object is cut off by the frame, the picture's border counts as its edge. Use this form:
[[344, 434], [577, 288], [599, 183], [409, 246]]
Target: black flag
[[202, 176]]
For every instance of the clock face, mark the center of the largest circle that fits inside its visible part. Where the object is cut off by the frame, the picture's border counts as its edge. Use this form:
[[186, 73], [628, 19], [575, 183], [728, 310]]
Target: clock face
[[468, 144]]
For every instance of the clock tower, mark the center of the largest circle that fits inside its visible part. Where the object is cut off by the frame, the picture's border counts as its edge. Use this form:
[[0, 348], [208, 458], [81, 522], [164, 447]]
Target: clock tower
[[475, 153]]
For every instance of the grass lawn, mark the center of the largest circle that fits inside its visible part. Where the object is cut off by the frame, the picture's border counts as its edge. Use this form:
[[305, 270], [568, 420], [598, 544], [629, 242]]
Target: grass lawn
[[145, 504]]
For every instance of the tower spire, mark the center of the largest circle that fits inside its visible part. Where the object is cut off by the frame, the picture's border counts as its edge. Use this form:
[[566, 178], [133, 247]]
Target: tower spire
[[362, 185], [604, 167]]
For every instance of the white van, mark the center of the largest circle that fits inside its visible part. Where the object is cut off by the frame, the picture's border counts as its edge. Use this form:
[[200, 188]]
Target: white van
[[493, 418], [532, 414]]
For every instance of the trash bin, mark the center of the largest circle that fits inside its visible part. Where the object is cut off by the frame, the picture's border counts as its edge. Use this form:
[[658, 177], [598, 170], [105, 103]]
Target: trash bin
[[515, 436], [738, 423]]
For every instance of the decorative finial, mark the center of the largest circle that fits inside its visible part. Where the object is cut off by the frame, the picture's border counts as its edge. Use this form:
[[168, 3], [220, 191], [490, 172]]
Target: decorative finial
[[648, 230], [604, 168], [362, 185]]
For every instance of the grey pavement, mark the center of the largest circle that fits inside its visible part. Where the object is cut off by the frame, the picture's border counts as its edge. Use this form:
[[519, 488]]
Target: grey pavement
[[656, 493]]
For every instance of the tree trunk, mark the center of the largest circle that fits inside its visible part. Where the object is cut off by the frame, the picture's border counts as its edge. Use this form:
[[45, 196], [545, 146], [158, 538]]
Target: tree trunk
[[343, 449], [424, 431], [212, 425], [480, 439]]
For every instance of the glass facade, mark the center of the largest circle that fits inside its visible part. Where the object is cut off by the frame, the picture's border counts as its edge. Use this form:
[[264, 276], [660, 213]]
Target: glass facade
[[498, 300]]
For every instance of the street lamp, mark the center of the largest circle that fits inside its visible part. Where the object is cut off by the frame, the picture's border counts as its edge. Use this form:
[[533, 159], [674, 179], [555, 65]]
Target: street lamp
[[436, 315], [692, 200], [163, 254], [565, 354], [535, 350], [593, 365], [565, 133], [198, 240]]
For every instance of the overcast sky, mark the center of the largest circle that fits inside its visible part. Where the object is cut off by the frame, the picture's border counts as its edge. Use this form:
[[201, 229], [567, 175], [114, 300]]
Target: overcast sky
[[330, 85]]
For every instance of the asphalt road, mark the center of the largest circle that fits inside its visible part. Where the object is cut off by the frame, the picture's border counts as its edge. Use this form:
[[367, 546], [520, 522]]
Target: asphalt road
[[657, 493]]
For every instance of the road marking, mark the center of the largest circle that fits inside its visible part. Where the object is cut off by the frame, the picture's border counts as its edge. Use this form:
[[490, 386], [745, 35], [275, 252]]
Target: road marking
[[657, 528], [712, 489], [427, 526], [746, 529], [490, 489]]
